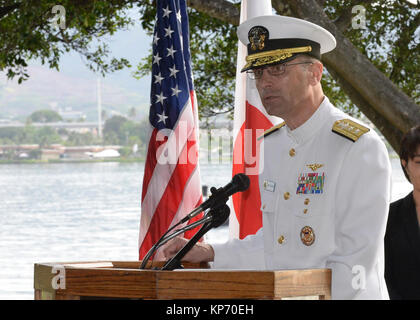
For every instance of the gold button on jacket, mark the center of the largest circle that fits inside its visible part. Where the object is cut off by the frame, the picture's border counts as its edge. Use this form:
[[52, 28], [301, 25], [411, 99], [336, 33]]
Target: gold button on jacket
[[343, 224], [292, 152]]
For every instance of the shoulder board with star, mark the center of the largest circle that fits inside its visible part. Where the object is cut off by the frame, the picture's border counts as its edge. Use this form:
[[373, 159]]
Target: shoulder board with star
[[271, 130], [349, 129]]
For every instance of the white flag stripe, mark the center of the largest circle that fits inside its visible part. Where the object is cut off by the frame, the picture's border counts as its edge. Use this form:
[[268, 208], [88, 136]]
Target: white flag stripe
[[162, 172], [190, 198]]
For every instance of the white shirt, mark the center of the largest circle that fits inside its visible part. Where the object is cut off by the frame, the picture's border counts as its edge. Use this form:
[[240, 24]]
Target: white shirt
[[325, 203]]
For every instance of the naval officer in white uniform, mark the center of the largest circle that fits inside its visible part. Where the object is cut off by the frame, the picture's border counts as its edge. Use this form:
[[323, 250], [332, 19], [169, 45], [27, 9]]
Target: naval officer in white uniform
[[325, 182]]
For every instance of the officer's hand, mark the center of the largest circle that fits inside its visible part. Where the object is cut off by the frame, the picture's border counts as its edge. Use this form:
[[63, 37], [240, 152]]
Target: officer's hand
[[200, 252]]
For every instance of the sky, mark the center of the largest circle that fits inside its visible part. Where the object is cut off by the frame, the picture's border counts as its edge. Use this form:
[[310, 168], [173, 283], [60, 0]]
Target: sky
[[132, 44], [76, 83], [74, 86]]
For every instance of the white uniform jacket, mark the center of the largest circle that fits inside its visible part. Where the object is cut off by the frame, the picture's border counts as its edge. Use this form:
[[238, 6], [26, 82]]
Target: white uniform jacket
[[324, 201]]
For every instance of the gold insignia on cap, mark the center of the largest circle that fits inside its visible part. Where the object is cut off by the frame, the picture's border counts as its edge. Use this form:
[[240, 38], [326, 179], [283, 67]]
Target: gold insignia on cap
[[314, 166], [257, 37], [272, 56], [307, 236], [349, 129]]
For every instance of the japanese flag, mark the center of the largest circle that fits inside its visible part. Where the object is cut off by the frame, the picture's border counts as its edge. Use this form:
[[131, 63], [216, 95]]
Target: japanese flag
[[250, 121]]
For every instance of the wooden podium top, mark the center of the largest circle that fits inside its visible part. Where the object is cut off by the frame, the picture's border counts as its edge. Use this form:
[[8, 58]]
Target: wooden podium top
[[123, 279]]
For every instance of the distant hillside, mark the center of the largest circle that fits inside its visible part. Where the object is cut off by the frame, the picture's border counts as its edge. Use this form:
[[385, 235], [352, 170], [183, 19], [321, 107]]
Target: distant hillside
[[49, 89], [74, 87]]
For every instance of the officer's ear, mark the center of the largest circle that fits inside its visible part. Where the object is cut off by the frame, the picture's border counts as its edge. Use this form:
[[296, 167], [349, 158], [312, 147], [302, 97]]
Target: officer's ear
[[315, 71]]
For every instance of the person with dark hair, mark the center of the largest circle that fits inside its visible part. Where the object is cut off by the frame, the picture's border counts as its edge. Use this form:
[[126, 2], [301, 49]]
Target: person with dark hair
[[402, 238]]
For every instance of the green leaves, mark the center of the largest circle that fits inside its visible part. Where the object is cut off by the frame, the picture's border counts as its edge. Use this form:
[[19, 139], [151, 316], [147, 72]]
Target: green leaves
[[122, 131], [45, 116], [213, 46], [390, 40], [28, 32]]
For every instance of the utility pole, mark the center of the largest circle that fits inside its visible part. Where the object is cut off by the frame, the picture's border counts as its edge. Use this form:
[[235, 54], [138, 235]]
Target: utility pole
[[98, 96]]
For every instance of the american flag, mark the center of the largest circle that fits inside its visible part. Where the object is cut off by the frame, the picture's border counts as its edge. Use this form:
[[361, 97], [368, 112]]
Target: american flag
[[171, 183]]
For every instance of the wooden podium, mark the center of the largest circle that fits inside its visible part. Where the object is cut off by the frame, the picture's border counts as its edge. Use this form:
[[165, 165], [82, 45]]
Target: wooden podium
[[123, 279]]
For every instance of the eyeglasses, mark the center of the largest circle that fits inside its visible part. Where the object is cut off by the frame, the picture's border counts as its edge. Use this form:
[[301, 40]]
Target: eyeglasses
[[276, 70]]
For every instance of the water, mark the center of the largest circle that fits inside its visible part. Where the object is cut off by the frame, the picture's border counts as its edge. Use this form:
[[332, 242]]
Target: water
[[82, 212]]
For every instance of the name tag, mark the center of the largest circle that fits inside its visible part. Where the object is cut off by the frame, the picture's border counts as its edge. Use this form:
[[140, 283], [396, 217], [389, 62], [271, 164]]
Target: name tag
[[269, 185]]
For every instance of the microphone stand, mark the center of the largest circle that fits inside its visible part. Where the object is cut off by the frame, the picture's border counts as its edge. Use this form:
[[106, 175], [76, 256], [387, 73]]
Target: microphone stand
[[219, 216], [165, 238]]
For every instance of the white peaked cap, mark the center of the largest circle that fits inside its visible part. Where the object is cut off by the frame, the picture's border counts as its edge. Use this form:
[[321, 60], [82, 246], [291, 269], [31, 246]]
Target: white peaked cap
[[282, 37]]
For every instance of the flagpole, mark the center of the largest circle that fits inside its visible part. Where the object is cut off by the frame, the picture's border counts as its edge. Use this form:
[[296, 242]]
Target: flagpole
[[99, 104], [171, 181], [249, 115]]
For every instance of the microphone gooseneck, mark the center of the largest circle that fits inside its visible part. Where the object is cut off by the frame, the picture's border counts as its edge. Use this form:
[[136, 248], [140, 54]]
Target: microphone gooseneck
[[219, 216], [215, 217], [240, 182]]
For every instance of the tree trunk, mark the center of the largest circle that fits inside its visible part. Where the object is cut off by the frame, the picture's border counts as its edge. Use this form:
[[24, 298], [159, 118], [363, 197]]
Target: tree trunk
[[391, 133], [219, 9], [389, 109]]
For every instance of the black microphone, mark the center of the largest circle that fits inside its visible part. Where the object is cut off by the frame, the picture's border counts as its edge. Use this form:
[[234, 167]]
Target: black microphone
[[240, 182], [218, 217], [165, 238]]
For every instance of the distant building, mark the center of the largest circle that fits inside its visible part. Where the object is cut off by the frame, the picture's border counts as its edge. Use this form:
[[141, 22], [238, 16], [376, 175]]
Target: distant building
[[68, 114], [80, 127], [107, 153], [58, 151], [80, 152], [88, 152], [19, 151], [50, 154]]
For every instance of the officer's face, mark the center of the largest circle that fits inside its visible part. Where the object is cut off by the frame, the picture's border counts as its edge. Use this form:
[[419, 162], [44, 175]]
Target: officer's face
[[412, 166], [284, 95]]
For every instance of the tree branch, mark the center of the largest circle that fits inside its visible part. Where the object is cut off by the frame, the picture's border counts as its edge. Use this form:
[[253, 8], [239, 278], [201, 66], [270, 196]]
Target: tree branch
[[282, 7], [219, 9], [6, 10], [402, 42], [392, 134], [355, 68], [344, 20], [392, 111]]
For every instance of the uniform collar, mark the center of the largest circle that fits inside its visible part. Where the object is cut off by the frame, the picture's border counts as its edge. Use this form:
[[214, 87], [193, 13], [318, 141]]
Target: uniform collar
[[312, 125]]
